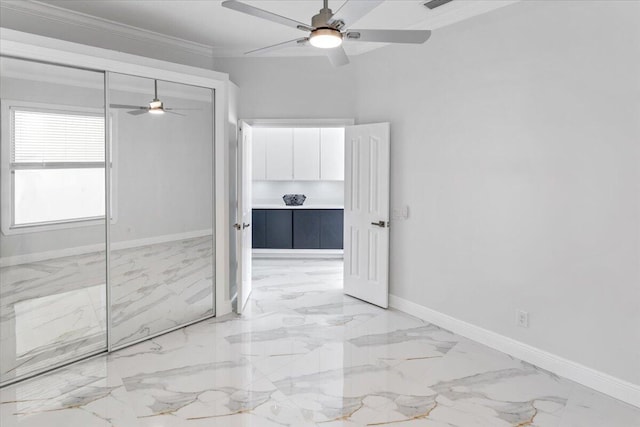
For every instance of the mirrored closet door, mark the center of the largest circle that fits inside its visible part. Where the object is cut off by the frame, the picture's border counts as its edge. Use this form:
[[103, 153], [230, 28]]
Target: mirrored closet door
[[73, 284], [52, 214], [162, 247]]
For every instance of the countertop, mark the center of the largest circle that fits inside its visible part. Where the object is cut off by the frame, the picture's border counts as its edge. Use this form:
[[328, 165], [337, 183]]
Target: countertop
[[305, 206]]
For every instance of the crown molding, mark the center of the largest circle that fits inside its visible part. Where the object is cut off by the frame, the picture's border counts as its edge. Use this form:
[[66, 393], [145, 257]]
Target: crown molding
[[72, 18], [433, 19]]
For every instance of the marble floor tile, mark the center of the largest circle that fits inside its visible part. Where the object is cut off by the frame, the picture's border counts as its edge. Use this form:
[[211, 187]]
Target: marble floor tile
[[306, 355], [588, 408], [89, 393]]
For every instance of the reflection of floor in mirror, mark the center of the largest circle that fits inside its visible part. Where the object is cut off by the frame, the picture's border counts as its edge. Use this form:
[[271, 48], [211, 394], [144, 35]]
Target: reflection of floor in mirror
[[161, 286], [53, 311], [304, 354]]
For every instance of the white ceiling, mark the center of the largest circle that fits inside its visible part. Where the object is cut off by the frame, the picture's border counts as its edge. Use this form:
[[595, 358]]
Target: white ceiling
[[230, 33]]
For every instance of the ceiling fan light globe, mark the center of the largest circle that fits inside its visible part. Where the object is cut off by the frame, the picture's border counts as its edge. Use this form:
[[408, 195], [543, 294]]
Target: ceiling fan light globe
[[156, 107], [325, 38]]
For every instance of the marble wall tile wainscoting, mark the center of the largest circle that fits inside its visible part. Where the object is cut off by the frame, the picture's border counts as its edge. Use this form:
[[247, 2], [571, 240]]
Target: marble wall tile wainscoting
[[304, 354]]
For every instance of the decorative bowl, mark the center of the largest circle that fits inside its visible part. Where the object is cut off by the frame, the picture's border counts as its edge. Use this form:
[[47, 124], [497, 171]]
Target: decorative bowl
[[294, 199]]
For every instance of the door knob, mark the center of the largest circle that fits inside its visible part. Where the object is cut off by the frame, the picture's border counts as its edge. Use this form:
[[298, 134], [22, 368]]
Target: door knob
[[237, 226], [379, 224], [244, 225]]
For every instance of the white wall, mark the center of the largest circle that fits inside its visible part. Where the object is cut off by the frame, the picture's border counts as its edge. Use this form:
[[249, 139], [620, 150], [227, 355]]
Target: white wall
[[516, 144], [291, 88], [317, 192]]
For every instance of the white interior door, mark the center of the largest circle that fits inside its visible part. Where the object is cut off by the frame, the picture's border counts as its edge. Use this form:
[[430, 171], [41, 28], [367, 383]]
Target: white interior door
[[243, 222], [366, 213]]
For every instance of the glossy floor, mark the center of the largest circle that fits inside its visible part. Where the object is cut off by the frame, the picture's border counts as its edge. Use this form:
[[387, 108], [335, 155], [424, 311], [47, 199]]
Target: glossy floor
[[306, 355]]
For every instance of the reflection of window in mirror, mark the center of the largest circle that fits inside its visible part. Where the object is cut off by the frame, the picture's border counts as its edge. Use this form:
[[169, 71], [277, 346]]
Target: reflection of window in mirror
[[54, 165]]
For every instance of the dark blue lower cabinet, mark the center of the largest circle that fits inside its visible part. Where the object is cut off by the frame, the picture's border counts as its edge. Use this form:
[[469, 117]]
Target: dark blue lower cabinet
[[331, 229], [259, 228], [279, 234], [318, 228], [298, 228], [306, 228]]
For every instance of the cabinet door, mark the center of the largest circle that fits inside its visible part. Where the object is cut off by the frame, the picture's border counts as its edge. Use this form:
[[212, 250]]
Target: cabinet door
[[306, 229], [279, 153], [279, 229], [331, 229], [259, 155], [332, 154], [258, 229], [306, 154]]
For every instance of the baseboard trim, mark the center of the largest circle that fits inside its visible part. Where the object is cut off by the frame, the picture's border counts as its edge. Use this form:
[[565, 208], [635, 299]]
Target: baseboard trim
[[100, 247], [298, 253], [599, 381]]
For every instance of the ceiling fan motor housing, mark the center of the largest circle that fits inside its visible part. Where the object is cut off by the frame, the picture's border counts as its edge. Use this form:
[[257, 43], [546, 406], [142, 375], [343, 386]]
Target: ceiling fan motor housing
[[325, 34], [321, 20]]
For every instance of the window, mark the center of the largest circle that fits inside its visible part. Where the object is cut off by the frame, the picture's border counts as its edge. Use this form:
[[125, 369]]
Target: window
[[55, 170]]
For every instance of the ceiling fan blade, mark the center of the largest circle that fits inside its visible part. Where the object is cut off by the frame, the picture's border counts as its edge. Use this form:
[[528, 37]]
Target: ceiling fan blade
[[264, 14], [337, 56], [138, 111], [388, 36], [289, 43], [125, 106], [182, 109], [352, 10], [173, 112]]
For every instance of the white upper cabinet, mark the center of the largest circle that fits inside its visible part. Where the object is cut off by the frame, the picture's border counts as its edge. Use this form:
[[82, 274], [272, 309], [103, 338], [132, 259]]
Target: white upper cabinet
[[259, 154], [298, 154], [306, 154], [279, 154], [332, 154]]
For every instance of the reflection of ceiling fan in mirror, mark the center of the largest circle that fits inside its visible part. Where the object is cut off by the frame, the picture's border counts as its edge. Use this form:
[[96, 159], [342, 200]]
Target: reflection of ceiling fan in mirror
[[328, 30], [155, 106]]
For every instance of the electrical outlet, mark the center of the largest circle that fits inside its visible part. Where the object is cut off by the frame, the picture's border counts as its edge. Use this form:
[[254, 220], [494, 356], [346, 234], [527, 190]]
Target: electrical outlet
[[522, 319]]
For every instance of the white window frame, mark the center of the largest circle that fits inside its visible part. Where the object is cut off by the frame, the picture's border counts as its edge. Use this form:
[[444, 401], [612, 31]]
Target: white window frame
[[6, 188]]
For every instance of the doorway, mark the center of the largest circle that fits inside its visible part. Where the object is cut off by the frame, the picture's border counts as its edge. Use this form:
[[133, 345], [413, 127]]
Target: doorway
[[301, 161]]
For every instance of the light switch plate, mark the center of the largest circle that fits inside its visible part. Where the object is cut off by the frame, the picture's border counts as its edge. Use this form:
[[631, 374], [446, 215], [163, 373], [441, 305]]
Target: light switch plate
[[400, 213]]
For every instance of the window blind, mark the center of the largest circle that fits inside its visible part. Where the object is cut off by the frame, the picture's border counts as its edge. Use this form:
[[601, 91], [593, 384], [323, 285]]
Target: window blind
[[43, 136]]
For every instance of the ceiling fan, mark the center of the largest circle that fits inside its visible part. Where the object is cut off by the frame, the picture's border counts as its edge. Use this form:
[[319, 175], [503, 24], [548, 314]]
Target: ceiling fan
[[155, 106], [328, 30]]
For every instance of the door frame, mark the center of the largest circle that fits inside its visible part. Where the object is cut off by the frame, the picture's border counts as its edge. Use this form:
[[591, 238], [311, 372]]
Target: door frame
[[273, 123], [239, 227], [298, 123]]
